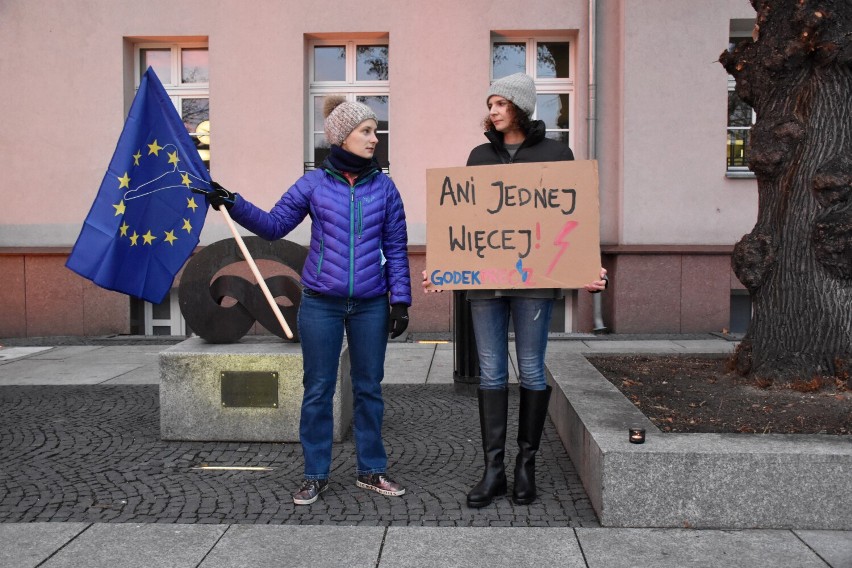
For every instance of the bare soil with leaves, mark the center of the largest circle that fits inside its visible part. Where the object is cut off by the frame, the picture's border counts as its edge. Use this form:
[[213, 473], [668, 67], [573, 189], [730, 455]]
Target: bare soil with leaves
[[700, 394]]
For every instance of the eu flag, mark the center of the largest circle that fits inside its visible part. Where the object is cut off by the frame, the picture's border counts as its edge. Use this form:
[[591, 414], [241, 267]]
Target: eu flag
[[145, 222]]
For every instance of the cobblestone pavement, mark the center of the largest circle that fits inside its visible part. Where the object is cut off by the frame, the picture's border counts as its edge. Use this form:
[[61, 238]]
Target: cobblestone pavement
[[93, 454]]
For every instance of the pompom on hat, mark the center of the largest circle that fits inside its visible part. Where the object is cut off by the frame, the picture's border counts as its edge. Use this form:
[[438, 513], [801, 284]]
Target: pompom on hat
[[518, 88], [342, 117]]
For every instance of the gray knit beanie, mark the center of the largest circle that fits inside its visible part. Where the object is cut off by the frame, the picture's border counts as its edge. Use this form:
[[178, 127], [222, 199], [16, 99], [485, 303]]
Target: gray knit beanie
[[518, 88], [342, 117]]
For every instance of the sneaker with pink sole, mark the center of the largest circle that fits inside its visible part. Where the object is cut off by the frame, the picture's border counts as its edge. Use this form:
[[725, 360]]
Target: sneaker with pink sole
[[380, 483]]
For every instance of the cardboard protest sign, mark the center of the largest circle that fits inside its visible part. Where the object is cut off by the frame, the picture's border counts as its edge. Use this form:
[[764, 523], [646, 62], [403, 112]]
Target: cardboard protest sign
[[513, 226]]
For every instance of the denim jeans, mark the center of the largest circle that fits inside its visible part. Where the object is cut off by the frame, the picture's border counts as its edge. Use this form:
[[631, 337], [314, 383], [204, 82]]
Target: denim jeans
[[322, 321], [531, 319]]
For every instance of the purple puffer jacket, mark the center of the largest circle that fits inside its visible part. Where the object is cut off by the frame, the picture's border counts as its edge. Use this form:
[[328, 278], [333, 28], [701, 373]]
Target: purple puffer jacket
[[359, 240]]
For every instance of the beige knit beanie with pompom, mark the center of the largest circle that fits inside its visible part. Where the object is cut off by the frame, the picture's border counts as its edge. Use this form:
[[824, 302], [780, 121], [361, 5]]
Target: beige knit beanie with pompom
[[342, 117]]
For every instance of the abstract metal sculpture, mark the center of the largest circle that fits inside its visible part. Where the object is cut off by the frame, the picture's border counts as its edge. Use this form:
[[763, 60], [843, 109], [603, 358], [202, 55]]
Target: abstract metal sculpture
[[200, 296]]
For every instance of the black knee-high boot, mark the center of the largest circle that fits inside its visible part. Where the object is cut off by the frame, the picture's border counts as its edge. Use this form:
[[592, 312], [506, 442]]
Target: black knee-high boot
[[533, 413], [493, 408]]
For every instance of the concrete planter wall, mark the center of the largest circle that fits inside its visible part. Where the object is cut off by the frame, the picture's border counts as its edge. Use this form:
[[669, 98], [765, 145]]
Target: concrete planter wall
[[693, 480]]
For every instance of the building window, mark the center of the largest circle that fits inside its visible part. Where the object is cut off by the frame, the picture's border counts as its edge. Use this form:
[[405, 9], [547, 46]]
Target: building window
[[550, 62], [357, 70], [184, 71], [741, 116], [740, 120]]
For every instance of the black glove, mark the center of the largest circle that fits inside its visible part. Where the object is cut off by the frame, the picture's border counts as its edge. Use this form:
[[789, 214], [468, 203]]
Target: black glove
[[398, 320], [220, 196]]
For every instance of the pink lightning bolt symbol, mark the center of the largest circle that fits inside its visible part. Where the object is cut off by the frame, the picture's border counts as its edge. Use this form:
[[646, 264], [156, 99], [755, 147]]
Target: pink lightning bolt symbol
[[562, 244]]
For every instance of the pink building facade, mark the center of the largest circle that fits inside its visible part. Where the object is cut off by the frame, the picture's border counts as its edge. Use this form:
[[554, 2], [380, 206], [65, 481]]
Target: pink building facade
[[633, 84]]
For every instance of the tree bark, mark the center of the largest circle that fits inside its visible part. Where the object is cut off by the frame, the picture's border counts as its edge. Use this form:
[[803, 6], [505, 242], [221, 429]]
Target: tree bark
[[797, 260]]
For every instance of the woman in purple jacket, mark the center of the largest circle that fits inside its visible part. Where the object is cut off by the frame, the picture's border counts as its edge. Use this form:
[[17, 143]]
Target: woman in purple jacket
[[356, 278]]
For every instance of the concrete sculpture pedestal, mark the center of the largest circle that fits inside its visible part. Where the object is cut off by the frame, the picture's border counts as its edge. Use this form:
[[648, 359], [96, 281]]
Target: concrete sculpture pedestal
[[201, 397]]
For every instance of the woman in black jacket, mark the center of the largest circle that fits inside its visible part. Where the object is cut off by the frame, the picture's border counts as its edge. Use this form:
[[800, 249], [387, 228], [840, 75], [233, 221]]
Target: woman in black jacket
[[513, 138]]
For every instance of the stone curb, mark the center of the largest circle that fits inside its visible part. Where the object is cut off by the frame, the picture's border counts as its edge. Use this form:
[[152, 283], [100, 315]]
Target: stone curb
[[765, 481]]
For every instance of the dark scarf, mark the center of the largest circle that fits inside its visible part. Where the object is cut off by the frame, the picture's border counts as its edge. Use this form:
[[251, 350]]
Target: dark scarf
[[344, 161]]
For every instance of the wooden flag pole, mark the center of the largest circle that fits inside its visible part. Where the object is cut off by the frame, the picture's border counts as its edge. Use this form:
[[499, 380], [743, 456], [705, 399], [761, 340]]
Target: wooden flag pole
[[272, 303]]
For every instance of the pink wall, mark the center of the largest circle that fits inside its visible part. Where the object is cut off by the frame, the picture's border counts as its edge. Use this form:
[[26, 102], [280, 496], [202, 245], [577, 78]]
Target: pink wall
[[660, 90], [62, 122], [66, 84], [673, 117]]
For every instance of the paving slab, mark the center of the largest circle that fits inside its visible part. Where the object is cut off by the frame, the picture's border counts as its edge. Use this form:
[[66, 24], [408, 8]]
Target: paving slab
[[26, 545], [144, 375], [297, 546], [705, 346], [12, 353], [629, 346], [128, 355], [143, 546], [572, 346], [835, 547], [67, 352], [473, 547], [408, 363], [442, 369], [673, 548], [32, 371]]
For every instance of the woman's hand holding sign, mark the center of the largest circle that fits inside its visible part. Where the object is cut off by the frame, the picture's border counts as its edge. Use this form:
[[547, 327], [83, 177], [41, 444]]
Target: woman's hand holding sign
[[598, 285], [427, 284]]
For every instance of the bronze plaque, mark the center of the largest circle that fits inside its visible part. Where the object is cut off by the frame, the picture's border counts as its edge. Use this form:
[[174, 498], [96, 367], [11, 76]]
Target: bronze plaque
[[251, 389]]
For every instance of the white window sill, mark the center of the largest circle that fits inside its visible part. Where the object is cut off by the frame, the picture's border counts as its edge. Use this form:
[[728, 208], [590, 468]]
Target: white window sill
[[744, 174]]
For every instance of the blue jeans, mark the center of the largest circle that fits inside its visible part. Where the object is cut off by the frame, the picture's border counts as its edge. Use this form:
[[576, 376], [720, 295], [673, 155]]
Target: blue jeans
[[322, 321], [531, 318]]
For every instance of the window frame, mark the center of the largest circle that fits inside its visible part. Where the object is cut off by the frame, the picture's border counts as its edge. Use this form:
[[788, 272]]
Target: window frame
[[736, 171], [350, 87], [544, 85], [174, 82], [177, 90], [548, 86]]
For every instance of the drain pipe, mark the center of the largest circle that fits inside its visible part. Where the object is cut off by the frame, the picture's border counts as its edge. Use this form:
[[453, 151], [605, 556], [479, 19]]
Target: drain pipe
[[592, 120]]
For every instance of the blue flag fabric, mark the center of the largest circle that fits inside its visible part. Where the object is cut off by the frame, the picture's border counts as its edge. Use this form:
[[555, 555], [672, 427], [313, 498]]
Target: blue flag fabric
[[145, 222]]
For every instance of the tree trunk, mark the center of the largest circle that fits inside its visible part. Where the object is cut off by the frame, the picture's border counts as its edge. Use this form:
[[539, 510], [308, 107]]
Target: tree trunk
[[797, 261]]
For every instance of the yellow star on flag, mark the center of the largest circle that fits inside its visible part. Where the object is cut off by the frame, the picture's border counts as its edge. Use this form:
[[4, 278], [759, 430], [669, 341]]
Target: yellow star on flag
[[136, 157], [154, 148], [173, 158], [170, 237], [185, 178], [191, 204], [124, 227], [119, 209], [148, 238], [187, 226], [124, 181], [133, 238]]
